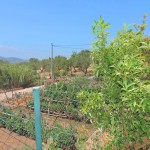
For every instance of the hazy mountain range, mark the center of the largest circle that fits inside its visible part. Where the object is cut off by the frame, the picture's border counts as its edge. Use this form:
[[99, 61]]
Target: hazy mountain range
[[12, 59]]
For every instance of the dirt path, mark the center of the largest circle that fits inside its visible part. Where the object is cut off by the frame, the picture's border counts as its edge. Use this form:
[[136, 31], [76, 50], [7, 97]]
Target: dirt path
[[9, 94]]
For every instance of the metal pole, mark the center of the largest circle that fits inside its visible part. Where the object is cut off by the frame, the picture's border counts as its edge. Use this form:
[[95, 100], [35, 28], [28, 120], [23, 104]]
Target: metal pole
[[52, 63], [37, 118]]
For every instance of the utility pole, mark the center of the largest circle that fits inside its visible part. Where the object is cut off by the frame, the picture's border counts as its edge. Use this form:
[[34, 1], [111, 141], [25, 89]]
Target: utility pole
[[52, 64]]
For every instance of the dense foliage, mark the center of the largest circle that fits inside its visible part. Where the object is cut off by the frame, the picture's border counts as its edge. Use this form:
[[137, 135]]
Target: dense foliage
[[45, 64], [84, 60], [73, 61], [16, 75], [61, 63], [123, 105], [80, 60], [34, 63]]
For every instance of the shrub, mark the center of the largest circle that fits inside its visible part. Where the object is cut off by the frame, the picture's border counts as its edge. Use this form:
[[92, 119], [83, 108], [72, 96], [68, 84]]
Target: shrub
[[122, 107], [16, 75], [64, 137]]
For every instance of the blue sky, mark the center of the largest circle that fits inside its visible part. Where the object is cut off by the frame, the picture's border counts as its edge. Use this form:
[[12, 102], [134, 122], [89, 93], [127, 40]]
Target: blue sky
[[28, 27]]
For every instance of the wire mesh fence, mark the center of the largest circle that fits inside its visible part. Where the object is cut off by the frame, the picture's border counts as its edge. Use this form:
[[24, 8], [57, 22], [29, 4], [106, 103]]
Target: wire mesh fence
[[63, 125], [13, 141], [13, 120]]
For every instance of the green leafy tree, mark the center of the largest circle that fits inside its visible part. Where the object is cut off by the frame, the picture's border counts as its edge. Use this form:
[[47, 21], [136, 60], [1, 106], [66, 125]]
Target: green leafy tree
[[122, 106], [60, 63], [73, 61], [80, 60], [84, 60]]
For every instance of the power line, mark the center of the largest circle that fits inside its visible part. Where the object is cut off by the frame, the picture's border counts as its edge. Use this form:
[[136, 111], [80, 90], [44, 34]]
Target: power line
[[70, 47], [79, 46], [73, 45]]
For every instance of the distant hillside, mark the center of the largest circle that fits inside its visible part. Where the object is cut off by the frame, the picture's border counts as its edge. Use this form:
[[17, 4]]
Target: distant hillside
[[12, 59]]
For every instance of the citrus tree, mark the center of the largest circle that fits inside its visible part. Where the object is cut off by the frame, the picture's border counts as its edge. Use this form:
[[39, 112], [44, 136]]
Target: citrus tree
[[122, 108]]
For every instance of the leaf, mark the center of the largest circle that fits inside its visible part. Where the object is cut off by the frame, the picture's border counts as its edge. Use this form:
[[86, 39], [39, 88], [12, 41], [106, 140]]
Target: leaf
[[143, 47]]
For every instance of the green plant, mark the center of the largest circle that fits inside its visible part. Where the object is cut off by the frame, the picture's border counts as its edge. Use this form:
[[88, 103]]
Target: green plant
[[122, 106], [61, 98], [50, 145], [61, 62], [64, 137], [16, 75], [84, 60], [81, 60], [34, 63], [18, 122], [63, 72]]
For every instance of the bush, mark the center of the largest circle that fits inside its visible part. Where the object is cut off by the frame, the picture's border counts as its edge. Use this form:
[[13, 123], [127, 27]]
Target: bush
[[17, 75], [122, 107], [64, 137]]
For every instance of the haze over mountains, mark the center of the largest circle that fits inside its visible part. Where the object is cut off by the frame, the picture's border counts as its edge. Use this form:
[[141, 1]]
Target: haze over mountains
[[12, 59]]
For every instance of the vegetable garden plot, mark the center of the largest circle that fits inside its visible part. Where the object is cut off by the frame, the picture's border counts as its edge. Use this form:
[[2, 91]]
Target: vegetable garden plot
[[61, 100], [19, 122], [15, 130], [60, 116]]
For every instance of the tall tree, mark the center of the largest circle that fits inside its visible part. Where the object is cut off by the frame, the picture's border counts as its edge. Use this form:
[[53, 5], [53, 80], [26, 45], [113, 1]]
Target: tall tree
[[84, 60], [60, 62], [73, 61]]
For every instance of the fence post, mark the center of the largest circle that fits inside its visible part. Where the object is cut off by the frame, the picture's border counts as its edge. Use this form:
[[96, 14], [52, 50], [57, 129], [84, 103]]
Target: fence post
[[37, 118]]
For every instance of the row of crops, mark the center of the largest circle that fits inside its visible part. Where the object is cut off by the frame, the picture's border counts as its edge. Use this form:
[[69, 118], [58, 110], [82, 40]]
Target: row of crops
[[59, 100], [18, 122]]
